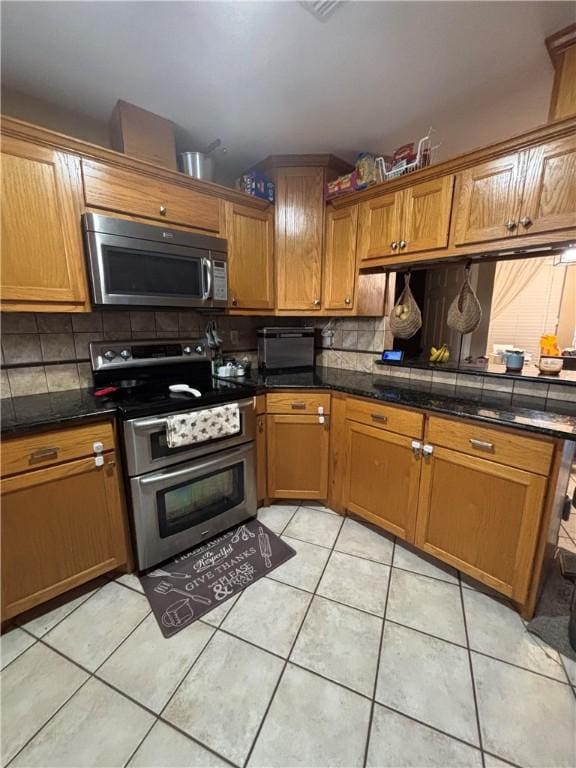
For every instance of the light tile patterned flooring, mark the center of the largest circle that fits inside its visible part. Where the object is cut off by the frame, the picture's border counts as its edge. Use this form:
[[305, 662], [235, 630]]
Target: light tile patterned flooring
[[356, 652]]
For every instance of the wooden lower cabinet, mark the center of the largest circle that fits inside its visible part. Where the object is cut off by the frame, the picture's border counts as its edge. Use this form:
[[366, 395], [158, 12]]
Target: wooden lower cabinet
[[481, 517], [61, 527], [381, 478], [261, 473], [297, 453]]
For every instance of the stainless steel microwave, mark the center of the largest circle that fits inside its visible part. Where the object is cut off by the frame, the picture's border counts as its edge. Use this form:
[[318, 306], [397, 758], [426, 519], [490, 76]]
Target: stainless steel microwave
[[141, 265]]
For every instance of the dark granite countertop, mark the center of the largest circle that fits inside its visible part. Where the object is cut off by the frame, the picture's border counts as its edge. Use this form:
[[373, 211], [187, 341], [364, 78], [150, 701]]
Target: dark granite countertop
[[531, 414], [37, 412]]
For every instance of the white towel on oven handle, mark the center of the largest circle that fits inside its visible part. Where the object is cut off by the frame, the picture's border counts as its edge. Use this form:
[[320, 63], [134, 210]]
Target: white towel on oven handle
[[200, 426]]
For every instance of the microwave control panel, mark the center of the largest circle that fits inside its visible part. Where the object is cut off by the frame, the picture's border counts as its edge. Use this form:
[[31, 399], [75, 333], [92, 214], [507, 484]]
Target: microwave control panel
[[220, 273]]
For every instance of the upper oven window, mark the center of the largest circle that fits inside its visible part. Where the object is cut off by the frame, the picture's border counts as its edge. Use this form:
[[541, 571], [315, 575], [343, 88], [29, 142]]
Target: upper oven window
[[144, 273]]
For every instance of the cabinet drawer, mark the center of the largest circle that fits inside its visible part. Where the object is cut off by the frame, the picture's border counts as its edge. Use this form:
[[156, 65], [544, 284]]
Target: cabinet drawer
[[21, 454], [297, 402], [385, 417], [117, 189], [519, 451]]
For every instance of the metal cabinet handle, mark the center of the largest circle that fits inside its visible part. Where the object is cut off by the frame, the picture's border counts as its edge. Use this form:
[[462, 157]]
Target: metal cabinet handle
[[234, 301], [526, 222], [393, 245], [44, 453], [347, 300], [316, 302], [379, 417], [298, 406], [482, 445], [416, 447], [402, 244], [163, 210], [510, 225], [427, 449]]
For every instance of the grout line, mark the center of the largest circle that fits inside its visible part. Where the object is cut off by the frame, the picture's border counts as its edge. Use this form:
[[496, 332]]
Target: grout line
[[142, 740], [505, 761], [476, 708], [372, 707], [286, 661]]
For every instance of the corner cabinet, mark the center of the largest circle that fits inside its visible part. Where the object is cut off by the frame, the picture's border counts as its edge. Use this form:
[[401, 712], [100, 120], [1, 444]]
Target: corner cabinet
[[299, 237], [42, 266], [250, 234], [63, 520]]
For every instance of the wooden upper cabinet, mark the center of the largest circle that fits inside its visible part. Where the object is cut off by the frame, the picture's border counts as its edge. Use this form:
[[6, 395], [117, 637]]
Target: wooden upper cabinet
[[487, 200], [426, 215], [549, 200], [119, 189], [299, 237], [481, 517], [250, 235], [379, 226], [42, 251], [340, 258]]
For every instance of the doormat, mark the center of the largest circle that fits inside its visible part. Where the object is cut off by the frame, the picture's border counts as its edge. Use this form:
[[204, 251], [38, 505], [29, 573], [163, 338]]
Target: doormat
[[192, 584]]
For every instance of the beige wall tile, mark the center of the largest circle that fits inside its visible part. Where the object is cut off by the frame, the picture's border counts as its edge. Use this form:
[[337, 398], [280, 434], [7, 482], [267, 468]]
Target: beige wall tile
[[81, 342], [85, 375], [57, 346], [54, 322], [4, 385], [62, 377], [142, 321], [167, 321], [19, 322], [114, 321], [21, 348], [27, 381], [89, 323]]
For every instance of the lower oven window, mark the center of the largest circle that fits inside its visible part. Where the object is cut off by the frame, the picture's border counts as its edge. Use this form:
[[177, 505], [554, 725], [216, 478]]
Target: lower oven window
[[188, 504]]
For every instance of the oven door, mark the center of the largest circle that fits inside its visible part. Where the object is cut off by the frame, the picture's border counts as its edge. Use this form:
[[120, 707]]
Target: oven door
[[177, 508], [147, 449], [126, 271]]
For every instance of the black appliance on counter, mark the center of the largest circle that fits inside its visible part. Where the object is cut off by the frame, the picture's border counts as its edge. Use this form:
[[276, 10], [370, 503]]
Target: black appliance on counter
[[283, 347]]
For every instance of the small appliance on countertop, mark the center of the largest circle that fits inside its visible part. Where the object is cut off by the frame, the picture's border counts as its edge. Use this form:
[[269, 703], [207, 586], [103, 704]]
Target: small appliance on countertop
[[286, 347], [179, 496]]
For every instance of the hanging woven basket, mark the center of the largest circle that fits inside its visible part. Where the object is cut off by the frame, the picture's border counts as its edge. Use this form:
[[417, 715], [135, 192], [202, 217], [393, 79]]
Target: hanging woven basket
[[465, 312], [405, 318]]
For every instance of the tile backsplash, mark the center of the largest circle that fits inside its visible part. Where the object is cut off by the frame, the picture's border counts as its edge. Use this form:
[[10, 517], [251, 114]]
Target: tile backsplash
[[49, 352]]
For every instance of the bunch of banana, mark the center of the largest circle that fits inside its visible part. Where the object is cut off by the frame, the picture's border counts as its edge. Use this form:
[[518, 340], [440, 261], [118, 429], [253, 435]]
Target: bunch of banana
[[441, 355]]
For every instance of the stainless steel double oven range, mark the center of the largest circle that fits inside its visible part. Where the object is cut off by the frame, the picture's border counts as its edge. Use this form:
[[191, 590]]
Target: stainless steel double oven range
[[181, 496]]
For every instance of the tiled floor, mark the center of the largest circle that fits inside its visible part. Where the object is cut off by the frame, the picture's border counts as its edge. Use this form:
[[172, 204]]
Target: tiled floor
[[356, 652]]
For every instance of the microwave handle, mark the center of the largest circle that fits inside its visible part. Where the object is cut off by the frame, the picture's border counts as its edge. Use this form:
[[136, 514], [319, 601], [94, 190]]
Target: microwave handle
[[207, 278]]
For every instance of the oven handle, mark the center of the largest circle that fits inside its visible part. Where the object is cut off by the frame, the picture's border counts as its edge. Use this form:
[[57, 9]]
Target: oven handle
[[207, 273], [144, 425], [197, 468]]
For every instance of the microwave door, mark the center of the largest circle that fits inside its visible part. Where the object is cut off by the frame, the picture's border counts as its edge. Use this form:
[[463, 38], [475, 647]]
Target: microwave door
[[130, 272]]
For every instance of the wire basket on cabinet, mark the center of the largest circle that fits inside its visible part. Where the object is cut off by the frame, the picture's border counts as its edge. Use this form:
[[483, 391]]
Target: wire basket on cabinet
[[425, 155]]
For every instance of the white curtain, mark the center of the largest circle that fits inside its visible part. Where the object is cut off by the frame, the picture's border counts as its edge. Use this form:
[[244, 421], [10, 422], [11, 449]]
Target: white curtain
[[511, 279]]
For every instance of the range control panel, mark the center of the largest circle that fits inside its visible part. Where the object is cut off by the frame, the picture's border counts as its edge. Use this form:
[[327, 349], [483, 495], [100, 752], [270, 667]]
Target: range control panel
[[105, 355]]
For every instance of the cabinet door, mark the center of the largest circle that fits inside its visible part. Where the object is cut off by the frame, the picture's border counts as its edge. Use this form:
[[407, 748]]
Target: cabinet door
[[549, 201], [61, 527], [250, 257], [299, 237], [261, 457], [487, 200], [42, 252], [379, 226], [481, 517], [381, 478], [340, 259], [124, 190], [297, 457], [426, 215]]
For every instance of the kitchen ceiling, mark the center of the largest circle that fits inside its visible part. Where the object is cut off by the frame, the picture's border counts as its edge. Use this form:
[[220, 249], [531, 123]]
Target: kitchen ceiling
[[269, 77]]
